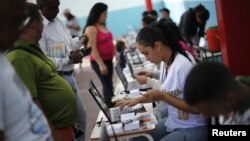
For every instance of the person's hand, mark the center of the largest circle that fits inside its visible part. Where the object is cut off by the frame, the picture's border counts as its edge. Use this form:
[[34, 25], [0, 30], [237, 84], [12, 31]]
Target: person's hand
[[84, 39], [145, 73], [154, 94], [195, 47], [76, 56], [76, 128], [129, 103], [141, 79], [103, 69]]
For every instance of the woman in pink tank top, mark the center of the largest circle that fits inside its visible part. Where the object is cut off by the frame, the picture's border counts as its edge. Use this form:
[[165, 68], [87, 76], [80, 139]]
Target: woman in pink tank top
[[103, 50]]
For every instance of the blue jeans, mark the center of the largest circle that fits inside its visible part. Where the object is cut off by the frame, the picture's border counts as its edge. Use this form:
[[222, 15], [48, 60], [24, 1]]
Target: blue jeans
[[198, 133], [80, 106]]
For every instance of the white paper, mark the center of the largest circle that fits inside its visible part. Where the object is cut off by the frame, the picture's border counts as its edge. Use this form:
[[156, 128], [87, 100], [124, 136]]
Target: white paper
[[118, 128], [128, 116]]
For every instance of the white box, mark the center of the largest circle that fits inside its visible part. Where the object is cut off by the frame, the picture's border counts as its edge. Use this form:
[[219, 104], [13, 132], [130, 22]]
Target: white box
[[128, 116], [132, 126], [118, 128]]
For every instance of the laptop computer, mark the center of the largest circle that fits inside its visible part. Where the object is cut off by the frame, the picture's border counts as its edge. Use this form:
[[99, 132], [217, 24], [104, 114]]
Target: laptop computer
[[113, 114], [132, 84], [131, 69], [139, 61], [135, 57]]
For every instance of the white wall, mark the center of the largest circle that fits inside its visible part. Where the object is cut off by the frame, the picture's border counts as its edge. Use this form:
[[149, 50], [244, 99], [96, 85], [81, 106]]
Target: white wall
[[81, 8], [176, 8]]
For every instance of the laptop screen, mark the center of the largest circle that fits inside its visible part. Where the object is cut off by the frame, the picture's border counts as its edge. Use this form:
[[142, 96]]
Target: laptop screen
[[135, 57], [131, 69], [121, 76], [139, 59], [99, 100]]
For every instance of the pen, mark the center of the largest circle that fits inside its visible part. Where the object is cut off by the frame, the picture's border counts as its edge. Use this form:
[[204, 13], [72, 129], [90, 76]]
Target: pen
[[99, 122]]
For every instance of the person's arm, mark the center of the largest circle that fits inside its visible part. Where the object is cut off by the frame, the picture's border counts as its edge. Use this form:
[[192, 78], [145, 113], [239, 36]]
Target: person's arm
[[92, 34], [154, 83], [133, 102], [157, 95]]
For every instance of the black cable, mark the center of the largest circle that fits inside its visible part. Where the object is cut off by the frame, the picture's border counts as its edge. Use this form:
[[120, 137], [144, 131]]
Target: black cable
[[114, 134]]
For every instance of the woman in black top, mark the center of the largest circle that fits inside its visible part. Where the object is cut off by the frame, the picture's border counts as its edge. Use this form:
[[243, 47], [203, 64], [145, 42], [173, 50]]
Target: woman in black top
[[191, 20]]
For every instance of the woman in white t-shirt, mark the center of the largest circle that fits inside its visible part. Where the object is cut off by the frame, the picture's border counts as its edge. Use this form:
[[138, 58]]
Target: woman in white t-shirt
[[159, 45]]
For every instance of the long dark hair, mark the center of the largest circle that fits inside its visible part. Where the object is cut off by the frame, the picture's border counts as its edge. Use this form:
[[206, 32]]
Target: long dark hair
[[203, 12], [174, 30], [164, 33], [33, 12], [95, 14]]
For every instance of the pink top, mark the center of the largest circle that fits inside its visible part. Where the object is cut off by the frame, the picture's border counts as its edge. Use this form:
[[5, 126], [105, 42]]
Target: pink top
[[186, 47], [105, 46]]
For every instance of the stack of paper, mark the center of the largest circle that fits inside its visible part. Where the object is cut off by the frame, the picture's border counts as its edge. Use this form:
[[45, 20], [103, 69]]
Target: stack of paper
[[132, 126], [128, 116], [130, 121], [117, 128]]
